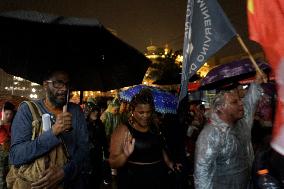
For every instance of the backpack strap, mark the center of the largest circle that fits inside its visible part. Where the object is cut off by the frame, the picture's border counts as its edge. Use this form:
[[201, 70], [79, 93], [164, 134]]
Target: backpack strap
[[36, 115], [37, 124], [35, 110]]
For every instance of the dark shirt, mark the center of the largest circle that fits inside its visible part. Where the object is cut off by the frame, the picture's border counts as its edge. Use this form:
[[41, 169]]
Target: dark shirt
[[148, 146]]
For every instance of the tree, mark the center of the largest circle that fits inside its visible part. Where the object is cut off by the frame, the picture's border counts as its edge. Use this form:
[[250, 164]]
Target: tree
[[168, 72]]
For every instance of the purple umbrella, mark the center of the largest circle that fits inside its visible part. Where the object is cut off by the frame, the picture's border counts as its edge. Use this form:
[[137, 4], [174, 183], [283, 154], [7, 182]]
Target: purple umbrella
[[231, 72]]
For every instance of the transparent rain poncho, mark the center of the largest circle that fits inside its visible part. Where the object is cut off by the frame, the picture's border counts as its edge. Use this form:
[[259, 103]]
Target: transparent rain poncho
[[224, 154]]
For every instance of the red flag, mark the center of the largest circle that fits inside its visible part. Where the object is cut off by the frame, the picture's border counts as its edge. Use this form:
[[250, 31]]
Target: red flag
[[266, 26]]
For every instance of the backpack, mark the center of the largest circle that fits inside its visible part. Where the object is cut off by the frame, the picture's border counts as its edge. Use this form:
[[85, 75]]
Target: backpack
[[23, 176]]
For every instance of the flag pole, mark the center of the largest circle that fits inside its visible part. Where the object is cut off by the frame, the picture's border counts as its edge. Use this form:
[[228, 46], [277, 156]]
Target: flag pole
[[248, 52]]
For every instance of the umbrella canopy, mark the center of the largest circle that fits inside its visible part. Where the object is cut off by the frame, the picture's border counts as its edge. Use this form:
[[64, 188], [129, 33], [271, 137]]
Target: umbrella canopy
[[31, 43], [231, 72], [164, 102]]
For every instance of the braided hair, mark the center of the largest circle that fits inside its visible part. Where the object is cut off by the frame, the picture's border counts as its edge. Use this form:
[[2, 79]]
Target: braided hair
[[143, 97]]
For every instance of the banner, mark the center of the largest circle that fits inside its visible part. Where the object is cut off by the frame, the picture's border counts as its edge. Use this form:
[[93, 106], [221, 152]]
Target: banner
[[207, 29], [266, 25]]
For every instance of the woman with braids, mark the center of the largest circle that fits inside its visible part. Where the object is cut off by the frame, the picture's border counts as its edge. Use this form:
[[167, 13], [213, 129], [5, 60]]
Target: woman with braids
[[137, 148]]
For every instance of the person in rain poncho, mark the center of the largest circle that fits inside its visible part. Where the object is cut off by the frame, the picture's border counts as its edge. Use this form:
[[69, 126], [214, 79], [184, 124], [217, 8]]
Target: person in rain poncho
[[224, 154], [111, 118]]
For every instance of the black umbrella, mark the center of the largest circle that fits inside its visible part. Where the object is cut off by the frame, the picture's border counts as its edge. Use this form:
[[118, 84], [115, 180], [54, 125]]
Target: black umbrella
[[31, 43]]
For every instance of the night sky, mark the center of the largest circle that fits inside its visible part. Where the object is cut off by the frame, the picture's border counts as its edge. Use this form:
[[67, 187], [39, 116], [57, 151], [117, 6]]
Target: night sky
[[137, 22]]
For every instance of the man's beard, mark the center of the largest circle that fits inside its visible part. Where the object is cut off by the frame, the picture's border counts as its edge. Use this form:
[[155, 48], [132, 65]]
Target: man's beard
[[58, 103]]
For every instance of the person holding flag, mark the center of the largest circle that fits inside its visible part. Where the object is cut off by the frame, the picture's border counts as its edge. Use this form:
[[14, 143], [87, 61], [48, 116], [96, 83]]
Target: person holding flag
[[224, 154], [207, 29]]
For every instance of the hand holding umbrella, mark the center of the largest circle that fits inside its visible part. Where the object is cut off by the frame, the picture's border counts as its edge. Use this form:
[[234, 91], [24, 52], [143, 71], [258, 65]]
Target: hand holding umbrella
[[65, 107], [260, 77], [63, 122]]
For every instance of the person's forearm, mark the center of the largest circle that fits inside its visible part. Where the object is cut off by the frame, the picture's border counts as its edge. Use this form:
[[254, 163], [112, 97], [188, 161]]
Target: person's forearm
[[202, 184], [250, 102], [25, 152], [167, 160], [254, 93], [207, 149], [23, 148], [117, 160], [202, 176]]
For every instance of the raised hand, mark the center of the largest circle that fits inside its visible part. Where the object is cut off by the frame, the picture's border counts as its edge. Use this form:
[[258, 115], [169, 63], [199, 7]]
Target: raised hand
[[260, 77], [128, 144]]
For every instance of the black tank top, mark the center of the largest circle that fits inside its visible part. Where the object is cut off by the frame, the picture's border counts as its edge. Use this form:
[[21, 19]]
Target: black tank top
[[148, 146]]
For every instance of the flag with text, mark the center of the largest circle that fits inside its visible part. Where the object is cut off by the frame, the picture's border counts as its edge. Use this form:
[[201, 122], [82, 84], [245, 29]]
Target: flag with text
[[207, 29]]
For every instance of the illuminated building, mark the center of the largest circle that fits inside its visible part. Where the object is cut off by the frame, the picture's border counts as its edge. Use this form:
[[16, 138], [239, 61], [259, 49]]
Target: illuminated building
[[19, 87]]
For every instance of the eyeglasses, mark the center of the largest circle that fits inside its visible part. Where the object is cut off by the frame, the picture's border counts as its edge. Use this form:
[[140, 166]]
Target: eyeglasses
[[59, 84]]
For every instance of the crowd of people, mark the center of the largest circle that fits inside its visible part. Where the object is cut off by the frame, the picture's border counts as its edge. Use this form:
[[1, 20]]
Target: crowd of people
[[130, 145]]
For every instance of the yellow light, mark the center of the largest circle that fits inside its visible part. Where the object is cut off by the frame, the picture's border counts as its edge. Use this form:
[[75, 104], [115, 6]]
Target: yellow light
[[250, 6], [166, 51], [34, 84], [179, 58]]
